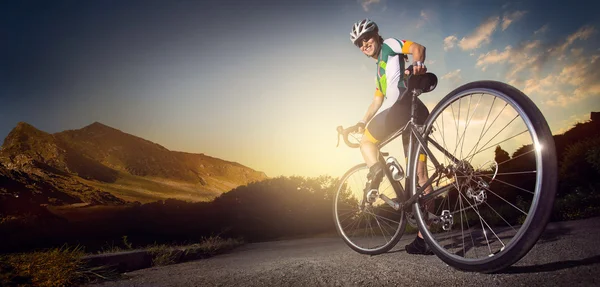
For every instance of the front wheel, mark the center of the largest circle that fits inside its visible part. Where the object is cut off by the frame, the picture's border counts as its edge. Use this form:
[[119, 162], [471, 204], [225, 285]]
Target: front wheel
[[500, 176], [368, 226]]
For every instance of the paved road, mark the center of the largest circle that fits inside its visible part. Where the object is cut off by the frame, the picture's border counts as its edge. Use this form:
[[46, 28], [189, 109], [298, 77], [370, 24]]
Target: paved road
[[568, 254]]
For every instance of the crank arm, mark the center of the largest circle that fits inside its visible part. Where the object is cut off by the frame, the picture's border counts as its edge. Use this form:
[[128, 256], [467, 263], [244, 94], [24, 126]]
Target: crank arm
[[393, 204]]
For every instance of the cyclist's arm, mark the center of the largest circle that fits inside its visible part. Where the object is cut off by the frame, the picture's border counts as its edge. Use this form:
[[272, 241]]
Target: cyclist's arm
[[415, 49], [407, 47], [418, 54], [374, 107]]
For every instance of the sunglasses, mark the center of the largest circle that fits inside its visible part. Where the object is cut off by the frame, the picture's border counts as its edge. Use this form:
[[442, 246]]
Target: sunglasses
[[364, 38]]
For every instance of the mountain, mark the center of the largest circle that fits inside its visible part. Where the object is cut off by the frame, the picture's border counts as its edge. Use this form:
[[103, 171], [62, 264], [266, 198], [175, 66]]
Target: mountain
[[99, 164]]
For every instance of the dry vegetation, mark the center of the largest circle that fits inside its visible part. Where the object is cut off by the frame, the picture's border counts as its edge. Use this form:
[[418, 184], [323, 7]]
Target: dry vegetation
[[148, 189], [66, 266], [55, 267]]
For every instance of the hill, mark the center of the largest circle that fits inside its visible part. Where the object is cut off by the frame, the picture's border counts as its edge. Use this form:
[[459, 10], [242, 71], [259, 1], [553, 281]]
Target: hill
[[98, 164]]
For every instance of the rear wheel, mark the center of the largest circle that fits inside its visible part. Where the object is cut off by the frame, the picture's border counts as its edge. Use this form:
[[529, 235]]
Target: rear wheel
[[368, 226], [501, 167]]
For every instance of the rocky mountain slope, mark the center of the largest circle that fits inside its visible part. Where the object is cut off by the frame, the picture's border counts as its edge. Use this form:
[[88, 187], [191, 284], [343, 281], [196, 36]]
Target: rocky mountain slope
[[102, 165]]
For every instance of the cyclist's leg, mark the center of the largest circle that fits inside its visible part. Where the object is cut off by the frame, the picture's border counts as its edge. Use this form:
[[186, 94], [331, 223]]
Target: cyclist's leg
[[368, 147], [422, 114], [399, 116]]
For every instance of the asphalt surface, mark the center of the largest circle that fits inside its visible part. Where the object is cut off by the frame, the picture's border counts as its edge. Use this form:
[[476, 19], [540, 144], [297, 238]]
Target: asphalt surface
[[568, 254]]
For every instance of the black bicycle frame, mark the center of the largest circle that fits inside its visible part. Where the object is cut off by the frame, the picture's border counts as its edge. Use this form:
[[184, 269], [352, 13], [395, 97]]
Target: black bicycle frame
[[415, 135]]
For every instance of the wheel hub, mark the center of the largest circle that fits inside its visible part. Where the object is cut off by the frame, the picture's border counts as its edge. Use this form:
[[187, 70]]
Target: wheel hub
[[470, 181]]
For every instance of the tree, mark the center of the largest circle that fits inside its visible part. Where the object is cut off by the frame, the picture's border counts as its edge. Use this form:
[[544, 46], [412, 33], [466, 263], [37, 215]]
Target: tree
[[501, 155]]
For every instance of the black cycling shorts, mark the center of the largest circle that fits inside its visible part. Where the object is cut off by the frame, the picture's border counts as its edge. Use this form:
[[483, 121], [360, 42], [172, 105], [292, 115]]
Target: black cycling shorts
[[393, 119]]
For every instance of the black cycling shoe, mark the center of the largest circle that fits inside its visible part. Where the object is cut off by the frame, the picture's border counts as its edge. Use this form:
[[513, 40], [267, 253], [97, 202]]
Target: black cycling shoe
[[418, 246]]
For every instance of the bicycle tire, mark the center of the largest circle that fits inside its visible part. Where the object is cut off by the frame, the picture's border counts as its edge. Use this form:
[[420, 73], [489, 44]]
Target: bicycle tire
[[542, 199], [338, 208]]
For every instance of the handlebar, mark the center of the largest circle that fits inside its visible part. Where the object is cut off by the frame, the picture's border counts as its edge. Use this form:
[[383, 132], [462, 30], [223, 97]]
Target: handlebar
[[344, 133]]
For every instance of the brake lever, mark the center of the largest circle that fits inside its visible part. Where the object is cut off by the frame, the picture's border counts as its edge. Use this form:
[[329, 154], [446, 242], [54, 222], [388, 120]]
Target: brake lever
[[340, 129]]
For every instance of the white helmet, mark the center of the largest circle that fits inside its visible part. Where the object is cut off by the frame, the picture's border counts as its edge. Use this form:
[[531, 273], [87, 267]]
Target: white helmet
[[361, 28]]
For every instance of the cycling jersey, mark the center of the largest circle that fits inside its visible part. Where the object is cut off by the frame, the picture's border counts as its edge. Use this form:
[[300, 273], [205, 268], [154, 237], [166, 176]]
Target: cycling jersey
[[390, 70]]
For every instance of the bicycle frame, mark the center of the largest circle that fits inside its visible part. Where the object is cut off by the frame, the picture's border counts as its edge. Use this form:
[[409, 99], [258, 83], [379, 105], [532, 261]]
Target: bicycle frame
[[417, 135]]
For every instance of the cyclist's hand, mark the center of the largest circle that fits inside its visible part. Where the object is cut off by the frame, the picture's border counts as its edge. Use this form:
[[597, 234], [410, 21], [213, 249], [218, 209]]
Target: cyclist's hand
[[419, 69], [413, 70], [360, 127]]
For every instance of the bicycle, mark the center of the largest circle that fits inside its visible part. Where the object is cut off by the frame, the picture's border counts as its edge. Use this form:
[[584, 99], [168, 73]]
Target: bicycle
[[487, 208]]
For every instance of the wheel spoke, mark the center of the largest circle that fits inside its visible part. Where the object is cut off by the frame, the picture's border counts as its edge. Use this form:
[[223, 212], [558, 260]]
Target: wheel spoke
[[500, 131], [517, 172], [511, 185], [500, 197], [513, 158], [484, 133], [498, 143]]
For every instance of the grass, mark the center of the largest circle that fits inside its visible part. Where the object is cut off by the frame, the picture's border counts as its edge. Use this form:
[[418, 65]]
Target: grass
[[165, 255], [55, 267], [65, 266], [112, 248]]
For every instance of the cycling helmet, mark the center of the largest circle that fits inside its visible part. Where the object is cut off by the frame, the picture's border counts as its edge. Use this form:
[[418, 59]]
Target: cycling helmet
[[363, 27]]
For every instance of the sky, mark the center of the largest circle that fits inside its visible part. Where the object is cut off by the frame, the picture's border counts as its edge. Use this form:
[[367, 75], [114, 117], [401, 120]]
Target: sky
[[266, 83]]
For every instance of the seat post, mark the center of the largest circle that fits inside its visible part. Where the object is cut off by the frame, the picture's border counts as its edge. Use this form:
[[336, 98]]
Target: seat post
[[413, 104]]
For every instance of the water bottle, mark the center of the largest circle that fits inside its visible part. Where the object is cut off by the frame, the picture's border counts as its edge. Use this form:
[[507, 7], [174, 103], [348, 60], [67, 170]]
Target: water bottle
[[395, 168]]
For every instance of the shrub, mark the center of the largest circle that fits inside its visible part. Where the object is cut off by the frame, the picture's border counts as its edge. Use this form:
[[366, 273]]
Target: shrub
[[55, 267]]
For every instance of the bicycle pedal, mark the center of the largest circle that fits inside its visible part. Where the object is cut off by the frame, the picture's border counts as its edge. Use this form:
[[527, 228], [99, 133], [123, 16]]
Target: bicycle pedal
[[410, 218]]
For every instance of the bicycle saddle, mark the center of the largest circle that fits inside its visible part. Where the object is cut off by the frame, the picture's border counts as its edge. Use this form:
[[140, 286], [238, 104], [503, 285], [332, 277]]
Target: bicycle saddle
[[426, 82]]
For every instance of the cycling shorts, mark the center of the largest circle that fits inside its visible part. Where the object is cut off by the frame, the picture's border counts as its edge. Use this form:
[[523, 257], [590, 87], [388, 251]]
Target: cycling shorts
[[393, 119]]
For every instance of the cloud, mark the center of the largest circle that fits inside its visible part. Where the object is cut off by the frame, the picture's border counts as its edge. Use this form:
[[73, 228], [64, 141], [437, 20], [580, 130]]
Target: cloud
[[481, 35], [520, 58], [573, 83], [573, 74], [531, 45], [425, 17], [508, 18], [531, 56], [576, 51], [542, 30], [449, 42], [582, 34], [367, 4], [565, 83], [536, 86], [587, 90], [493, 57], [563, 100], [452, 76]]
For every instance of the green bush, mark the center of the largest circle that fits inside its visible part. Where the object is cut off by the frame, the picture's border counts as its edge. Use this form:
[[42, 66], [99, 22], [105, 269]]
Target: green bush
[[592, 156], [580, 165], [579, 203]]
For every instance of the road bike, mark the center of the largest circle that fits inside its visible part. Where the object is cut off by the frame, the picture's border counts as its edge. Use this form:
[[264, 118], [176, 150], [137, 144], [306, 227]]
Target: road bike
[[486, 207]]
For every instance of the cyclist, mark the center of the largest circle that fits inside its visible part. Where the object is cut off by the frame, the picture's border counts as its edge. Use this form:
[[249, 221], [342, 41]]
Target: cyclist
[[389, 111]]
